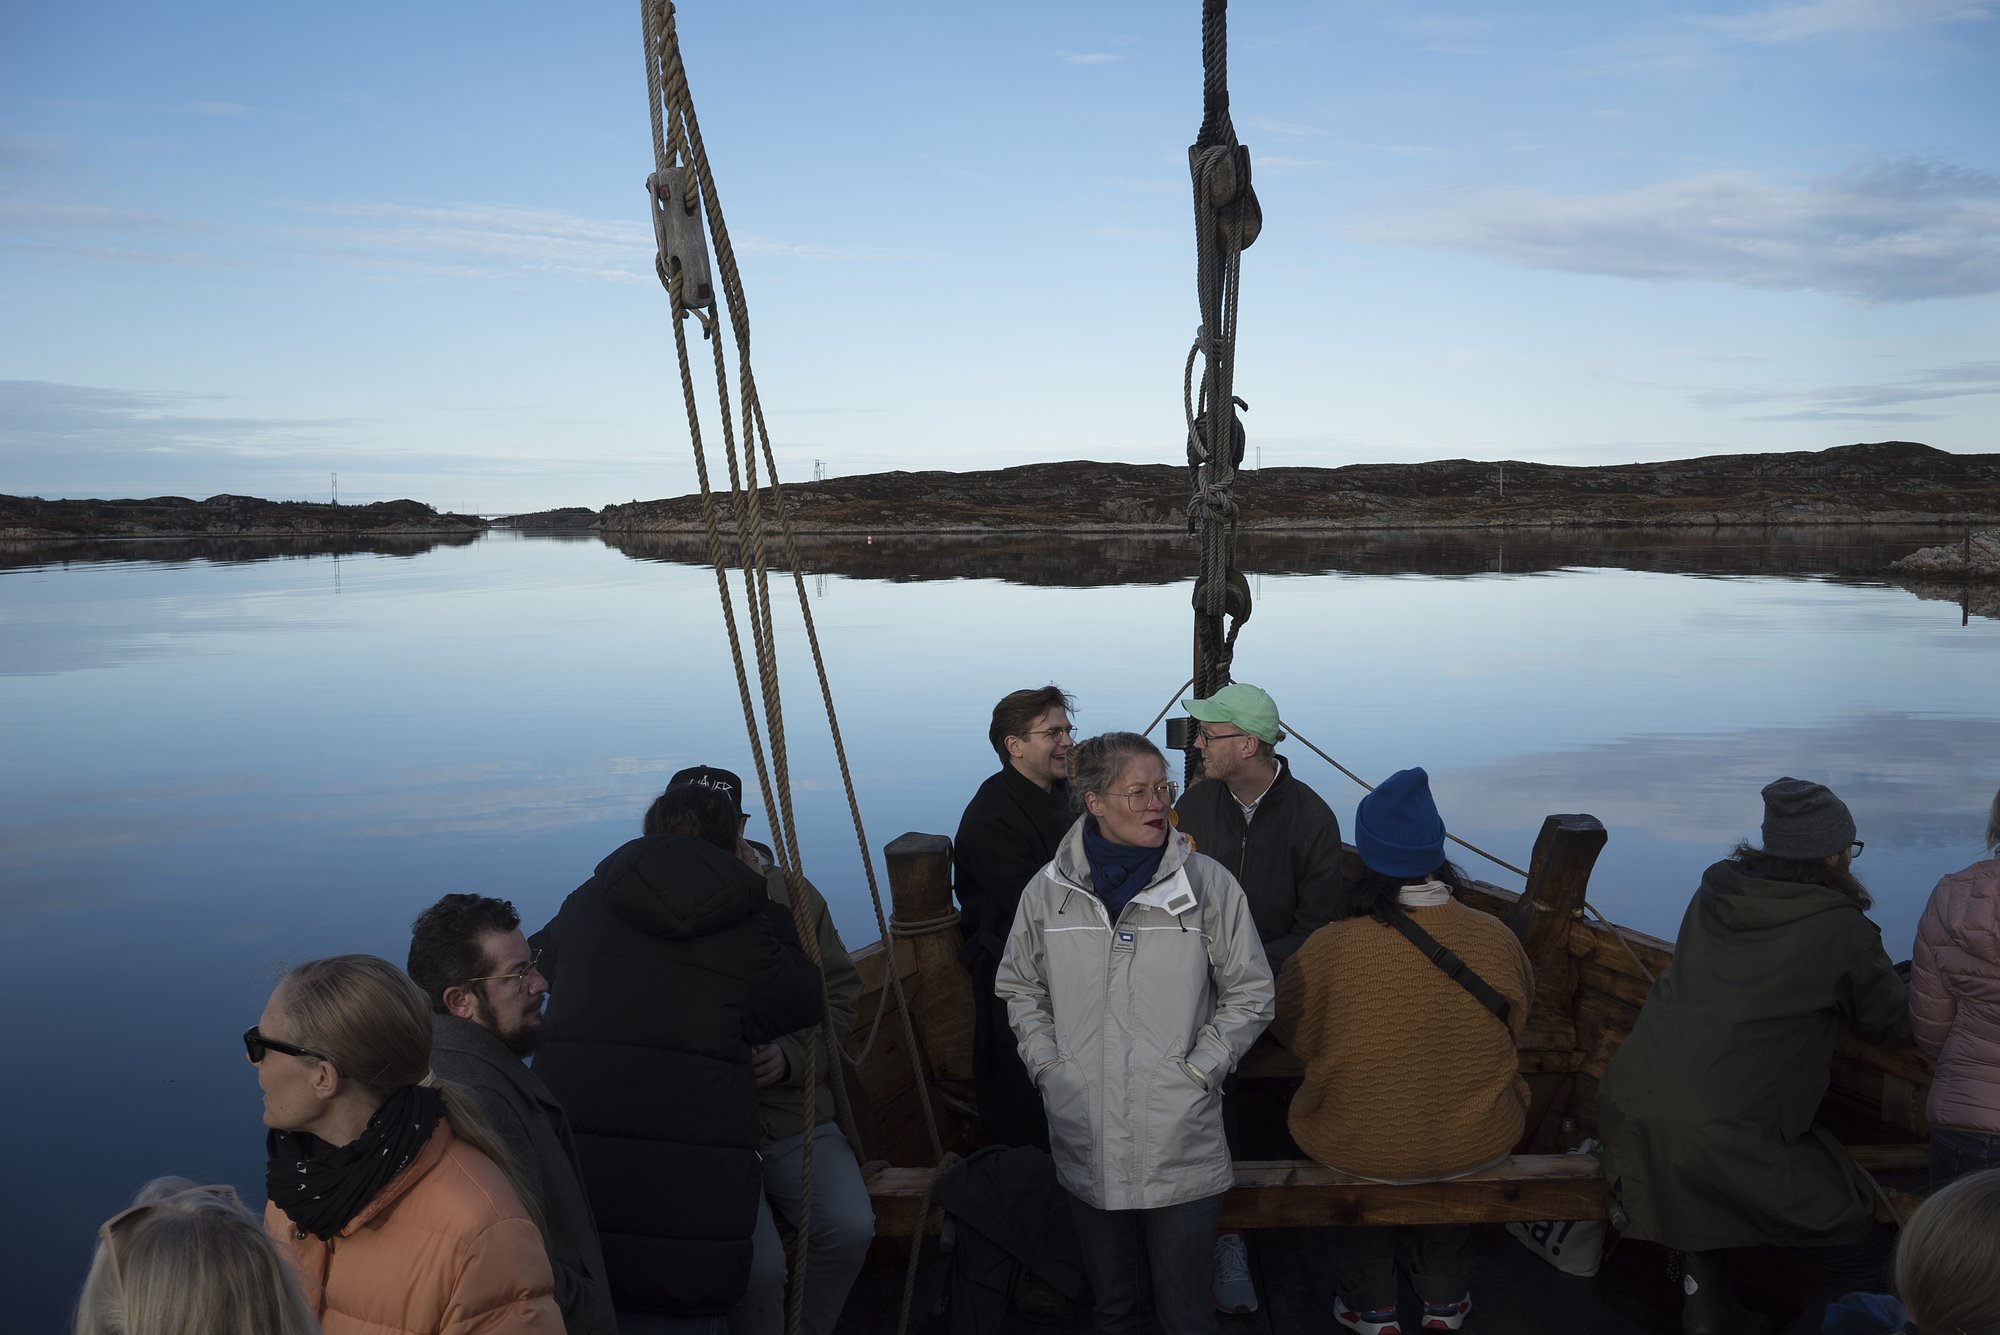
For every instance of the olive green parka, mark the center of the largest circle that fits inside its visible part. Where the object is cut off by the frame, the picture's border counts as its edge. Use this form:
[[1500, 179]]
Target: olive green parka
[[1706, 1112]]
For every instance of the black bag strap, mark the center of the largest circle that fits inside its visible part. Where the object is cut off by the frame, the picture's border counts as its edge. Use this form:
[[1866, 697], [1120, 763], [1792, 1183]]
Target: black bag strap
[[1454, 968]]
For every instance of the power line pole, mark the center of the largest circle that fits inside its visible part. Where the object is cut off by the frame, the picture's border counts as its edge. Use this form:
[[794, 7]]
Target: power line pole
[[336, 489]]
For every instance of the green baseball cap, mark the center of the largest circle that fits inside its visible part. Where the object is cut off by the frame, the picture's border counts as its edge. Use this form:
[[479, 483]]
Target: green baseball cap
[[1242, 704]]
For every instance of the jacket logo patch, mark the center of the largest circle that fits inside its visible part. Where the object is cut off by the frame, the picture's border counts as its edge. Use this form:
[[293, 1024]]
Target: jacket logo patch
[[1126, 941]]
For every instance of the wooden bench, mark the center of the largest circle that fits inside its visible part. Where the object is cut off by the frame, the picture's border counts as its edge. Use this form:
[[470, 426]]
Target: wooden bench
[[1299, 1193]]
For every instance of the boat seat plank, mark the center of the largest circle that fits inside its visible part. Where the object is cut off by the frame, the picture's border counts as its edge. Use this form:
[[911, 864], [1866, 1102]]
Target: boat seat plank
[[1298, 1193]]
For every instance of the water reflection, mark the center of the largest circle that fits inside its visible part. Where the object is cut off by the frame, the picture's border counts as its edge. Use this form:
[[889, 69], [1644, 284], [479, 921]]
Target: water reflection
[[1070, 560], [213, 762], [15, 554]]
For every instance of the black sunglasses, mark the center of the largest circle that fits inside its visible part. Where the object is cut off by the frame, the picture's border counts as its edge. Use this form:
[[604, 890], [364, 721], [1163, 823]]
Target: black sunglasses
[[255, 1045]]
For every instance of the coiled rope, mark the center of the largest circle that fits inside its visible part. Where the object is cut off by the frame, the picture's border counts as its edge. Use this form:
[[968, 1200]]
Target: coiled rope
[[680, 156]]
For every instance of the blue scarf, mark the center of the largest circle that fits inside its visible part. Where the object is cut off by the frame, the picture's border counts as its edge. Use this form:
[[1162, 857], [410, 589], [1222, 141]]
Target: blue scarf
[[1117, 871]]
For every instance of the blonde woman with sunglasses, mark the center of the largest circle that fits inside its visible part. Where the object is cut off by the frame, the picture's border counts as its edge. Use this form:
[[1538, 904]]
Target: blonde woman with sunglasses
[[396, 1199], [188, 1260]]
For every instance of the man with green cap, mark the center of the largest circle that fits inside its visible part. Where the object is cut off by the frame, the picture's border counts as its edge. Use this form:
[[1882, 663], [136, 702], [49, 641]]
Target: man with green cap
[[1281, 842]]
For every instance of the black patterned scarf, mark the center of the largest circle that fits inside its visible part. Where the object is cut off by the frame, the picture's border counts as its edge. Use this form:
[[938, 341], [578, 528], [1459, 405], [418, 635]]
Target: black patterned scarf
[[320, 1186]]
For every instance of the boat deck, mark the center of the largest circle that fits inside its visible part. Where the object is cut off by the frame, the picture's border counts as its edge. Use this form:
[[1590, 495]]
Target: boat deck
[[1513, 1291]]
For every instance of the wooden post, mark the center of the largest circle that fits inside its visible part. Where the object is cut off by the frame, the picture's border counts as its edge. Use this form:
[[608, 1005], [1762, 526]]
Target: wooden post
[[1558, 873], [941, 1002]]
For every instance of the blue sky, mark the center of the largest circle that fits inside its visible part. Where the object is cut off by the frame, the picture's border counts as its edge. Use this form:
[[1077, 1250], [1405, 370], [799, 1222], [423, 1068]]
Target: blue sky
[[243, 247]]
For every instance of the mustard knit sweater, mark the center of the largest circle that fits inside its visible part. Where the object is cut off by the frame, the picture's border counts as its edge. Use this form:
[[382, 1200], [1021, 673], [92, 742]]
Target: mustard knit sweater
[[1407, 1077]]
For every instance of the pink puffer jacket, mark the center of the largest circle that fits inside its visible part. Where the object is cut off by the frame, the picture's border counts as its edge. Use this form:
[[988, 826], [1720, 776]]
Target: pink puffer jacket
[[1955, 997]]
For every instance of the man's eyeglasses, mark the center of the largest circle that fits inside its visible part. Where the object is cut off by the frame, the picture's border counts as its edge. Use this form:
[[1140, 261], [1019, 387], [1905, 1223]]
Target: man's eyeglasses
[[1138, 799], [1050, 733], [256, 1045], [1207, 734], [519, 976], [1854, 849]]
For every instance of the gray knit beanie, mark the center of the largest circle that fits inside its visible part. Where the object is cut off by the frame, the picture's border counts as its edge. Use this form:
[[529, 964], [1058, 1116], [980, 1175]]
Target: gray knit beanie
[[1805, 820]]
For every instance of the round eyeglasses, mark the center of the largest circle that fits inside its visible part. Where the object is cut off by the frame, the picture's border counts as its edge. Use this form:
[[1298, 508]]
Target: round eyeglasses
[[518, 976], [1139, 799]]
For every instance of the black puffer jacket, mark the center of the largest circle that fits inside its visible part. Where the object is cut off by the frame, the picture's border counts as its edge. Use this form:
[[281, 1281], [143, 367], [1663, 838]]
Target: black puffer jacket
[[664, 968]]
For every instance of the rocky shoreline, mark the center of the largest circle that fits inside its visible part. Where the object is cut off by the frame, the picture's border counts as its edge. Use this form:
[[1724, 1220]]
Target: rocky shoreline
[[1976, 557], [1888, 482], [31, 518]]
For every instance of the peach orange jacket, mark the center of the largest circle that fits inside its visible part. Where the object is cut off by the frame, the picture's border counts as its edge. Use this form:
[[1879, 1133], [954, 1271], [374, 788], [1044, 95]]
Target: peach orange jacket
[[445, 1249], [1955, 997]]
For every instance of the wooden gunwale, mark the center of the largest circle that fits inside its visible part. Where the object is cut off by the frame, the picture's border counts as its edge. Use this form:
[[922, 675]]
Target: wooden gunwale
[[1875, 1101]]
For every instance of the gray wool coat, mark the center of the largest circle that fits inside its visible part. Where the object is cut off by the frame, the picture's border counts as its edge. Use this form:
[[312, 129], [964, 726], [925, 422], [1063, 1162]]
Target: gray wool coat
[[536, 1132]]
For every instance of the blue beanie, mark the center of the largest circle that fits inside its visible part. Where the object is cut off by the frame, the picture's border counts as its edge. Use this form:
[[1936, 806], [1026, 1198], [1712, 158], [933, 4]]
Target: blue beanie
[[1397, 829]]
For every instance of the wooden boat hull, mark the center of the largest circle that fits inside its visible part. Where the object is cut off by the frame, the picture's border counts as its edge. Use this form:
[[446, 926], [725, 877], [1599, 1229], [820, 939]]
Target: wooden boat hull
[[1592, 981]]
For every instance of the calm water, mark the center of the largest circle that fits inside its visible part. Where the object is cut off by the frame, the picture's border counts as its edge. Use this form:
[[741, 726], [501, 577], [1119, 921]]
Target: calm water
[[219, 759]]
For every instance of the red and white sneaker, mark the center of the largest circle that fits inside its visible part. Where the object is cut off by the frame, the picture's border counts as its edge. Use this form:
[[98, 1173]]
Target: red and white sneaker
[[1446, 1316], [1380, 1321]]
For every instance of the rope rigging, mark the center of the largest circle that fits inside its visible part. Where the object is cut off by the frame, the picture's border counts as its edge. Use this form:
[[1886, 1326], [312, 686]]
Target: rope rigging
[[683, 196], [1227, 220]]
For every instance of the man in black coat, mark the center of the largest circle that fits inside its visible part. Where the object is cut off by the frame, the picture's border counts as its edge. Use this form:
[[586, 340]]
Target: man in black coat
[[667, 966], [468, 956], [1281, 842], [1008, 833], [1277, 837]]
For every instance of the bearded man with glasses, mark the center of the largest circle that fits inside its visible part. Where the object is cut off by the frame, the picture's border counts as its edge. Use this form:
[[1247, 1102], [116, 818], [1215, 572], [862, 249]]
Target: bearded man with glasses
[[474, 966], [1281, 842], [1009, 832]]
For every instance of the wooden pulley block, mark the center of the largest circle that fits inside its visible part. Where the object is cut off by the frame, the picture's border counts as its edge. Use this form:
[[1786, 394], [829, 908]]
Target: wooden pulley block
[[678, 230], [1198, 438], [1235, 596]]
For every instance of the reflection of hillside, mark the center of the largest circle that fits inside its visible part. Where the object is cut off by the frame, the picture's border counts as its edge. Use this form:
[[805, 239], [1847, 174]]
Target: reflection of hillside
[[220, 551], [1077, 562], [1973, 600]]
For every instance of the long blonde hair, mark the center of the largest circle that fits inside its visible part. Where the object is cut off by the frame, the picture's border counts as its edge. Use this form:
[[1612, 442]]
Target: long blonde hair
[[188, 1260], [373, 1023], [1948, 1262]]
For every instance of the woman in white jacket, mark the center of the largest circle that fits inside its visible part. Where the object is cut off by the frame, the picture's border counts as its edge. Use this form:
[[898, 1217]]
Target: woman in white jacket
[[1135, 981]]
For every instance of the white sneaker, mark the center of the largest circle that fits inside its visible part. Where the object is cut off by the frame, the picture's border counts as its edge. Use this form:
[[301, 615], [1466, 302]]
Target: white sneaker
[[1446, 1316], [1381, 1321], [1234, 1293]]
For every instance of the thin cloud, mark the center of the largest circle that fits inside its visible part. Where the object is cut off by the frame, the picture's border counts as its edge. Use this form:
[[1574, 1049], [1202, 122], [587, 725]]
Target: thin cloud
[[1839, 18], [474, 241], [1088, 57], [1894, 232], [46, 421], [1826, 415], [1877, 402], [1963, 380], [220, 109]]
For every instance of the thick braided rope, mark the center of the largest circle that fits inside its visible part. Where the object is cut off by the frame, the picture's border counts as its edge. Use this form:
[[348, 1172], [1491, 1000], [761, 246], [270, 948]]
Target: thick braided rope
[[667, 89], [682, 133], [731, 280]]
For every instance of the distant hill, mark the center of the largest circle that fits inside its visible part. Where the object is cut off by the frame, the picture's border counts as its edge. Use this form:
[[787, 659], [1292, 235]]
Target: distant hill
[[221, 517], [1889, 482], [1886, 482]]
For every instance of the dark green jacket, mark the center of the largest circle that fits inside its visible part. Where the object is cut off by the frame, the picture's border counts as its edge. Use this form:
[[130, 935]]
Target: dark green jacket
[[783, 1108], [1706, 1112]]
